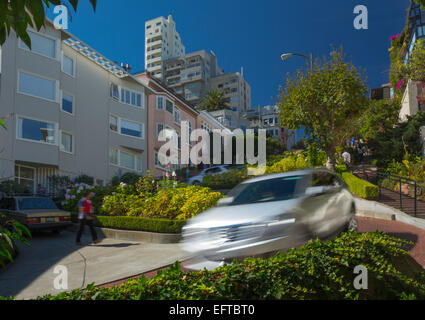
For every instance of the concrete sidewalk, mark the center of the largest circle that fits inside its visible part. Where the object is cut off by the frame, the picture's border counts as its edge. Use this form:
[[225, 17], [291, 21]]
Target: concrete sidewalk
[[32, 273], [376, 210]]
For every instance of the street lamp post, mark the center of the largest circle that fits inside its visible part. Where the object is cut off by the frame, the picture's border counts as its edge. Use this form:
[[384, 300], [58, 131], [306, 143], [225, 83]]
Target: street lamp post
[[286, 56]]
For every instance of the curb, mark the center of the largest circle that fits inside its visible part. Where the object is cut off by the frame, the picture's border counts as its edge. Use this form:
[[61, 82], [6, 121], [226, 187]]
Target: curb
[[137, 236], [373, 209]]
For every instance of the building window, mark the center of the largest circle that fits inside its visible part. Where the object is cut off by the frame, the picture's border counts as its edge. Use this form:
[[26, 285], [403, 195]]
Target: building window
[[125, 159], [169, 106], [25, 176], [40, 44], [131, 97], [113, 156], [115, 91], [126, 127], [131, 128], [160, 103], [67, 103], [176, 115], [159, 129], [68, 65], [113, 123], [37, 86], [39, 131], [66, 142]]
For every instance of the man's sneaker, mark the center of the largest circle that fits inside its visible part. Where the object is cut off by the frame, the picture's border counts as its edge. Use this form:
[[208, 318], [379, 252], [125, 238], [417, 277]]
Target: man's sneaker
[[97, 241], [79, 244]]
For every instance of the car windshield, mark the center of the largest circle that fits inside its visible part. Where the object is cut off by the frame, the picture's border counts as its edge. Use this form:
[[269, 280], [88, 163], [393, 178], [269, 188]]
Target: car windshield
[[36, 203], [276, 189]]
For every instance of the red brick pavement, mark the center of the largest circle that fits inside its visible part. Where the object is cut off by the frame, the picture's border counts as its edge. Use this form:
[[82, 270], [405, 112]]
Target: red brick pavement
[[398, 230], [393, 228]]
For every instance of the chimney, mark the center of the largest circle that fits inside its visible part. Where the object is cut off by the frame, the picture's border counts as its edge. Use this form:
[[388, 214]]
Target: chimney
[[242, 71]]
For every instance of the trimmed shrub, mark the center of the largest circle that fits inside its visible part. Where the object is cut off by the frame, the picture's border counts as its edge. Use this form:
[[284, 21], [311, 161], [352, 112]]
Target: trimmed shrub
[[165, 202], [318, 270], [361, 188], [137, 223]]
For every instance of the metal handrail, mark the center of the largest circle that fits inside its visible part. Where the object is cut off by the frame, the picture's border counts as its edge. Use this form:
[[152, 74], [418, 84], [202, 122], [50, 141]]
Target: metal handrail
[[401, 180]]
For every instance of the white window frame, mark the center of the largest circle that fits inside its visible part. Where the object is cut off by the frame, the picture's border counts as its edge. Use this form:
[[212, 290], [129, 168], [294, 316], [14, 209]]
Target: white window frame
[[57, 45], [73, 65], [142, 94], [41, 77], [177, 111], [119, 127], [73, 102], [119, 160], [34, 141], [163, 127], [61, 132], [163, 102]]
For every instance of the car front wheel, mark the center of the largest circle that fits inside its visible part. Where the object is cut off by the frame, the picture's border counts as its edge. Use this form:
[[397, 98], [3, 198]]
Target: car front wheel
[[196, 183]]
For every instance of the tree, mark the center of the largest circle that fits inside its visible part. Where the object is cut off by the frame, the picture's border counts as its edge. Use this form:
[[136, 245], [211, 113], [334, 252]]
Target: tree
[[325, 101], [421, 2], [394, 143], [18, 15], [380, 116], [214, 100]]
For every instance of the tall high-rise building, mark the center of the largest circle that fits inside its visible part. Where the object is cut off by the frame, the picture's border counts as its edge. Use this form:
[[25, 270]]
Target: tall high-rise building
[[162, 42], [190, 75]]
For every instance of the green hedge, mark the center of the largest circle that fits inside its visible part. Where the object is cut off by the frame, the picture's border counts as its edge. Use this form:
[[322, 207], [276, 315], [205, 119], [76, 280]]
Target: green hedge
[[318, 270], [138, 223], [361, 188]]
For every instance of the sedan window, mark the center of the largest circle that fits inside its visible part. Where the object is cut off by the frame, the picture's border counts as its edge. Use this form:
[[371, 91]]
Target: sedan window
[[277, 189], [36, 203]]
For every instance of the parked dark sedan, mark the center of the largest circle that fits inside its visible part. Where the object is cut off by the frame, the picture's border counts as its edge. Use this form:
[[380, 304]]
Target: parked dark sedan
[[36, 213]]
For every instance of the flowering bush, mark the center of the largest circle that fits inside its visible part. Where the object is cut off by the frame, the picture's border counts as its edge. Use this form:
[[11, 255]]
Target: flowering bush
[[171, 203], [78, 191], [295, 162]]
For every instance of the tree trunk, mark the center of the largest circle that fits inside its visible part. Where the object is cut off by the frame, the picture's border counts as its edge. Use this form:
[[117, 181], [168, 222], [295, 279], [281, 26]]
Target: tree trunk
[[331, 161]]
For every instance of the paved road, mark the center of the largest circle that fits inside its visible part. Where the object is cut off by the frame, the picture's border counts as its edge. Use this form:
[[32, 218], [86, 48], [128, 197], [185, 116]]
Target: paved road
[[32, 273], [393, 228]]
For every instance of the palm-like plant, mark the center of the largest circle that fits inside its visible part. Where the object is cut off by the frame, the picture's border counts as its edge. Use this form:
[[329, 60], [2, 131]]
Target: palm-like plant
[[10, 231], [214, 100]]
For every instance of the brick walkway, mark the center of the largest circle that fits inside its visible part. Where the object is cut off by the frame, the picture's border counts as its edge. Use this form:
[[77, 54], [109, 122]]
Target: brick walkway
[[393, 228], [399, 230]]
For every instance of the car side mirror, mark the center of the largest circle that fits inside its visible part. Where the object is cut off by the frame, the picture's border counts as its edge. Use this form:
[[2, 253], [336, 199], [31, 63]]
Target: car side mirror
[[225, 201], [315, 191]]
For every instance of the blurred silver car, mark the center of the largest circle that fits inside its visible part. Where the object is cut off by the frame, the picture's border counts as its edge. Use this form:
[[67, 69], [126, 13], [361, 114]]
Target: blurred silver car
[[268, 214]]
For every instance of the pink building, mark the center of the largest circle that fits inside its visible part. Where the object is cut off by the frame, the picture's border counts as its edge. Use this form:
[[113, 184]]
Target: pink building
[[165, 111]]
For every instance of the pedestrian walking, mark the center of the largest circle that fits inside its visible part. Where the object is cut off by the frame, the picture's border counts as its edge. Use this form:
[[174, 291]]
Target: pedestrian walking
[[347, 159], [85, 216]]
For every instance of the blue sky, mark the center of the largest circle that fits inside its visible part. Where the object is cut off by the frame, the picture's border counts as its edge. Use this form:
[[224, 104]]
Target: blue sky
[[249, 33]]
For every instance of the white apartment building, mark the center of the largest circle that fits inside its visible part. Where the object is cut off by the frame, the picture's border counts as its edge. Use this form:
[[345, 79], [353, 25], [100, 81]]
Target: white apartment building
[[162, 41], [236, 88], [70, 111], [190, 75]]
